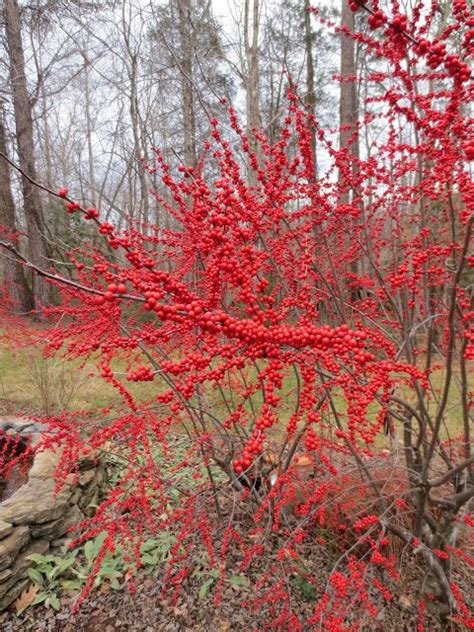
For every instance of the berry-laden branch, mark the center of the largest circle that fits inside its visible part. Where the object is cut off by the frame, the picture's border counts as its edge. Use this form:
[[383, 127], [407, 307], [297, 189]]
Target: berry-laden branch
[[279, 332]]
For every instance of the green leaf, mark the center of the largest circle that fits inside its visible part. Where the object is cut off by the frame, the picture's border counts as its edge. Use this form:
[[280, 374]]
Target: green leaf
[[38, 559], [89, 551], [51, 573], [54, 602], [35, 576], [65, 565], [99, 541], [71, 584], [115, 584], [112, 574], [239, 580], [40, 598], [204, 590], [149, 545]]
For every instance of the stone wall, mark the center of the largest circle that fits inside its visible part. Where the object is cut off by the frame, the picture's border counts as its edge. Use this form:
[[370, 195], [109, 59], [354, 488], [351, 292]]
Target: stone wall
[[35, 519]]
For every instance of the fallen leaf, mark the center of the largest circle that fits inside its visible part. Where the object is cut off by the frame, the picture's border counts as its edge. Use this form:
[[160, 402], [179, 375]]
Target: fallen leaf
[[26, 598], [405, 602]]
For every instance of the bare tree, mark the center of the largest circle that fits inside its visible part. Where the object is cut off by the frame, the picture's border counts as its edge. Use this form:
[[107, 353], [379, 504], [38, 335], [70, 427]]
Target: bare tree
[[35, 222], [14, 278], [310, 89], [252, 79], [348, 95], [186, 37]]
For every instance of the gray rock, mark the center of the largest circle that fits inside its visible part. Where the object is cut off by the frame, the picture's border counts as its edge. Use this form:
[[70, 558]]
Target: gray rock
[[86, 477], [10, 421], [91, 507], [19, 570], [26, 432], [57, 528], [100, 476], [5, 529], [76, 497], [35, 438], [11, 545], [44, 464], [6, 574], [87, 463], [89, 495], [60, 543], [13, 593], [40, 427], [35, 503]]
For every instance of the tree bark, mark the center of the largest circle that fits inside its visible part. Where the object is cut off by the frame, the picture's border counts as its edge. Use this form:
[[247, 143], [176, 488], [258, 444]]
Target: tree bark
[[14, 279], [186, 62], [37, 244], [348, 99], [310, 92], [348, 135], [251, 31]]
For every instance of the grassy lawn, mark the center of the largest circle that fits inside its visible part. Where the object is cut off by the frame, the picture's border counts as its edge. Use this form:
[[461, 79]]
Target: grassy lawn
[[32, 384]]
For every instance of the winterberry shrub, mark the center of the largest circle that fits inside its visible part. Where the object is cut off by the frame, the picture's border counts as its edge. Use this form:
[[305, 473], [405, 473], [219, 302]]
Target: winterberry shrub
[[285, 327]]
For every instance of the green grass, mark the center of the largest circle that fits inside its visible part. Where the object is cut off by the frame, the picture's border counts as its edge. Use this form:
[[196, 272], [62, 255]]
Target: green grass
[[31, 383]]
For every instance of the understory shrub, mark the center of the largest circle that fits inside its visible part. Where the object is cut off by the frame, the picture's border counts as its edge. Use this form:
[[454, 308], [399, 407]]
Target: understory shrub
[[308, 339]]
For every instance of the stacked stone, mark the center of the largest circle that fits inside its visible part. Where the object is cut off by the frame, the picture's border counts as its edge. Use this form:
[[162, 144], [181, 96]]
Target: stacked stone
[[36, 518]]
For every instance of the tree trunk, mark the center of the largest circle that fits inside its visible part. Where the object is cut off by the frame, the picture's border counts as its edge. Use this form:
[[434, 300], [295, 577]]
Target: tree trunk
[[140, 151], [310, 93], [348, 99], [186, 62], [14, 279], [251, 30], [348, 135], [37, 244], [90, 153]]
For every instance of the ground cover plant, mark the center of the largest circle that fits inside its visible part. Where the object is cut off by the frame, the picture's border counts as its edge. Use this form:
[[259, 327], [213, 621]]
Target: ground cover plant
[[288, 322]]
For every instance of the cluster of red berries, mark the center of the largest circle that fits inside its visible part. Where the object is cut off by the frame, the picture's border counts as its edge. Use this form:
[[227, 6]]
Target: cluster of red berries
[[457, 68], [253, 448], [113, 291], [366, 522], [469, 149], [460, 9], [142, 374], [106, 371], [312, 441], [340, 583], [151, 300], [355, 5], [399, 22], [91, 213], [376, 20], [72, 207], [106, 228]]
